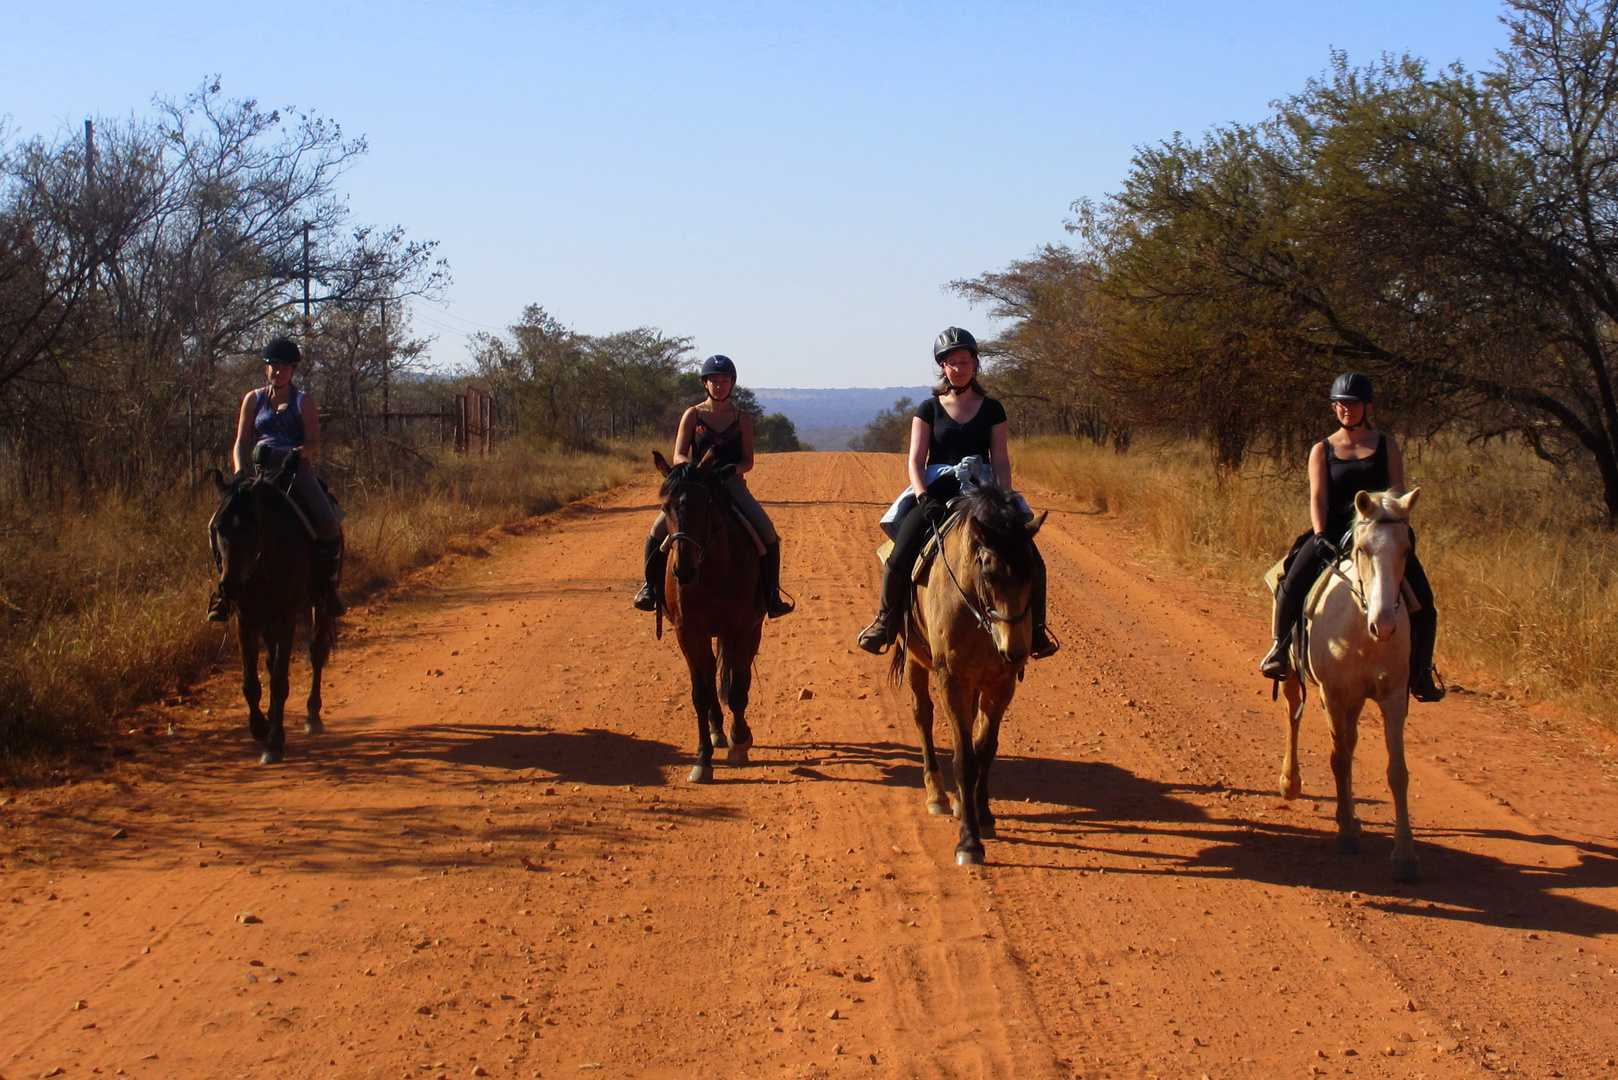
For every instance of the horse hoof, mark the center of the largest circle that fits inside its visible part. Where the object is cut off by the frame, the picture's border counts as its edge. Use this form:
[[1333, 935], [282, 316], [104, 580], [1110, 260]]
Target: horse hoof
[[701, 774], [314, 727], [968, 858], [718, 739], [1405, 871], [1348, 845], [270, 757], [737, 755], [939, 808]]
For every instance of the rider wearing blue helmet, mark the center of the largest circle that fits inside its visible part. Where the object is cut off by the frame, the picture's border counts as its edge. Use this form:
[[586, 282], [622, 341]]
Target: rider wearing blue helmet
[[716, 424]]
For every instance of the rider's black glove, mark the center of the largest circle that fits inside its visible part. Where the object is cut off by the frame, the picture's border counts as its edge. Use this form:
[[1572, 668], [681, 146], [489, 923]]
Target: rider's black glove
[[1325, 548], [725, 472]]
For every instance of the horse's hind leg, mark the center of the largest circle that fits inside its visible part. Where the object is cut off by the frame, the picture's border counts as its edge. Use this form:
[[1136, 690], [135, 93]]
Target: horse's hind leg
[[247, 629], [1345, 734], [1394, 710], [319, 633], [736, 683], [1291, 780], [279, 660], [921, 710]]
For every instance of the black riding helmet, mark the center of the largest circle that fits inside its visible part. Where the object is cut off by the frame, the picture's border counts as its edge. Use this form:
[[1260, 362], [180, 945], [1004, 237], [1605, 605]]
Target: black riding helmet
[[282, 351], [718, 364], [1351, 386], [951, 339]]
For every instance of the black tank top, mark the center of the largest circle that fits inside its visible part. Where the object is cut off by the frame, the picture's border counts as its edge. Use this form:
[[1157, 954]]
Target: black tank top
[[1346, 479], [726, 444]]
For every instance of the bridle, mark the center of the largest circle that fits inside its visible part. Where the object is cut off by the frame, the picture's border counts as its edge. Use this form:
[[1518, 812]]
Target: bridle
[[680, 537], [983, 610], [1356, 583]]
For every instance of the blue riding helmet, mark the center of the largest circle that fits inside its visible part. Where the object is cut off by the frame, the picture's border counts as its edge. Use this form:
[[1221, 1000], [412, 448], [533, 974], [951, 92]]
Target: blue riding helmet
[[718, 364]]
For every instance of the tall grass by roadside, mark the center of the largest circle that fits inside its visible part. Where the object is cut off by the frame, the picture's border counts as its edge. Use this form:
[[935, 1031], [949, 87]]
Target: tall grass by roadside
[[1524, 572], [102, 608]]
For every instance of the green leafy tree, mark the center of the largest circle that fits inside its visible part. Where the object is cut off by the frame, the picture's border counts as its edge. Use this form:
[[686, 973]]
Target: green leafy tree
[[888, 432]]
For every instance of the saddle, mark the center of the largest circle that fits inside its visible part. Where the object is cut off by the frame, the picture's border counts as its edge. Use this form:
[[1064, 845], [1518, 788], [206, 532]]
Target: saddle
[[929, 548]]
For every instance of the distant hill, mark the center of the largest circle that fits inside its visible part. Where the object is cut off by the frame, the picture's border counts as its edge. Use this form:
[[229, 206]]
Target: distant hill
[[829, 418]]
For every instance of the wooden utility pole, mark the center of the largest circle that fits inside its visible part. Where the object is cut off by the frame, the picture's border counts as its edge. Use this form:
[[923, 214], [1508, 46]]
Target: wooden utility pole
[[306, 279], [89, 196], [387, 352]]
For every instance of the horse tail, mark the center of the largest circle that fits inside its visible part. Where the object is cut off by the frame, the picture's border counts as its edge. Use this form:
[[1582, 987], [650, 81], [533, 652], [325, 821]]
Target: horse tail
[[724, 670], [322, 636], [896, 666]]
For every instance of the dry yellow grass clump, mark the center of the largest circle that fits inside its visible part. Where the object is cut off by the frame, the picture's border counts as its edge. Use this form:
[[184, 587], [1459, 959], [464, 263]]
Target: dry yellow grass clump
[[1523, 568], [101, 608]]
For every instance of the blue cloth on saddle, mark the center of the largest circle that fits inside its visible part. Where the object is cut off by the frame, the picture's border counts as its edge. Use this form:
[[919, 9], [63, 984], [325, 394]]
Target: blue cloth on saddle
[[970, 471]]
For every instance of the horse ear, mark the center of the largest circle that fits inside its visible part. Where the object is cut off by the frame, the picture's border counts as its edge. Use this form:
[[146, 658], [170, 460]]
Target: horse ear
[[707, 459], [661, 462], [1408, 503], [218, 479], [1033, 526], [1366, 505]]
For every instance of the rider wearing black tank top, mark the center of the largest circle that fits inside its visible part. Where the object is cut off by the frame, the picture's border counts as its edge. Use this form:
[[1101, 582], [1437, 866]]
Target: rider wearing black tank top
[[1335, 479]]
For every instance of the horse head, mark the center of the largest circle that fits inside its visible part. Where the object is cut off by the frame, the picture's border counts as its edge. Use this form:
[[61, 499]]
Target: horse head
[[693, 502], [238, 532], [1381, 547], [1000, 580]]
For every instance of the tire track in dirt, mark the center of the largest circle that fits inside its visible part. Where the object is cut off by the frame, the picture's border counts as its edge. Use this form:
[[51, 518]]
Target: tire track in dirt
[[493, 866]]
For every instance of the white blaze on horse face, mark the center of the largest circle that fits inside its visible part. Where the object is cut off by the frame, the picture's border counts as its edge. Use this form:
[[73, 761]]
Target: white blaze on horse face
[[1385, 544]]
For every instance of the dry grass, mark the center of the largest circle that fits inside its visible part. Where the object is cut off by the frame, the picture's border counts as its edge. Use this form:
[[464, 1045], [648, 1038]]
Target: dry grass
[[101, 609], [1524, 571]]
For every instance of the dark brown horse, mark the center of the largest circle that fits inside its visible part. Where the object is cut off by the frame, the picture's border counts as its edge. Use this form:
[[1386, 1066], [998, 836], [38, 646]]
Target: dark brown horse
[[970, 627], [711, 594], [265, 556]]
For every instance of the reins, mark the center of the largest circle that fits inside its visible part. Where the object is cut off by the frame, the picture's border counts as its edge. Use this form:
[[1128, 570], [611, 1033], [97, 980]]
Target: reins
[[1356, 583]]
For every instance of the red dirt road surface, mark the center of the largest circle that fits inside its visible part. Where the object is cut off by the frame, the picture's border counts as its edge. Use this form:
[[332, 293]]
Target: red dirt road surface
[[492, 865]]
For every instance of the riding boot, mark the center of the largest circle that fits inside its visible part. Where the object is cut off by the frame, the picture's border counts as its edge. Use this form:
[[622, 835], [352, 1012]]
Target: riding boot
[[884, 629], [769, 581], [219, 606], [656, 563], [325, 574], [1288, 608], [1423, 636], [1043, 644]]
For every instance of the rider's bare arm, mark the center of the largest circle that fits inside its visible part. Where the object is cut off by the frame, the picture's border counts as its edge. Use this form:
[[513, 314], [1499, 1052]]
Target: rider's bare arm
[[920, 437], [1396, 467], [745, 419], [685, 436], [243, 451], [311, 428], [1000, 454], [1319, 481]]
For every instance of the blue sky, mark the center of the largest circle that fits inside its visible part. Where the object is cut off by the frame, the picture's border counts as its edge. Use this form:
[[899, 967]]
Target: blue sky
[[788, 183]]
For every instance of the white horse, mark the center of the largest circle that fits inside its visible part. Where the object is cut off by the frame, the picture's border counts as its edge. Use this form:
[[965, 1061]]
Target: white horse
[[1358, 649]]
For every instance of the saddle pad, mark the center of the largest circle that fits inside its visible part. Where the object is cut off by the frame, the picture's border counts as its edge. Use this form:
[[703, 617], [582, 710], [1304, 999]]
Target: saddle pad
[[930, 548]]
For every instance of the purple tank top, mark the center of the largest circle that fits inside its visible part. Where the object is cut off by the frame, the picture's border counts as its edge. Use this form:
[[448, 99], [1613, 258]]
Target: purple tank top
[[279, 429]]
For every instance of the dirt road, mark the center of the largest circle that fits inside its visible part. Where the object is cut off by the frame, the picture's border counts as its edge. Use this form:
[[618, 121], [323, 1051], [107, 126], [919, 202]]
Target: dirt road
[[492, 865]]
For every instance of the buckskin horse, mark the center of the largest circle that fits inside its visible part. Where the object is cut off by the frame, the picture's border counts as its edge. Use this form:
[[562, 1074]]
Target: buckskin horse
[[969, 626], [711, 594], [1356, 648], [265, 557]]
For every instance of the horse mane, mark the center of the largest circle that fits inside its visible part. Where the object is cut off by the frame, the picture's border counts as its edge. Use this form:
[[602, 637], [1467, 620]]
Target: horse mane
[[684, 473], [998, 516], [1387, 508]]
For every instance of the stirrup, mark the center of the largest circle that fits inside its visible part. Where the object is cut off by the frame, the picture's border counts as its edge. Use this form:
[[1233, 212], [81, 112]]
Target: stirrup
[[775, 605], [219, 609], [875, 638], [645, 600], [1429, 691], [1276, 663], [1040, 652]]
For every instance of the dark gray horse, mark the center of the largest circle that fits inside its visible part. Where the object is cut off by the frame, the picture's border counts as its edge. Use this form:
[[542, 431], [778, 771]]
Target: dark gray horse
[[265, 555]]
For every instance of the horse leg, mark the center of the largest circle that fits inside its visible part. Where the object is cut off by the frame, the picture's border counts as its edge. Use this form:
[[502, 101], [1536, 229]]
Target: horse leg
[[921, 710], [1394, 709], [700, 662], [1291, 780], [320, 634], [986, 746], [1344, 711], [247, 630], [737, 682], [961, 708], [279, 660]]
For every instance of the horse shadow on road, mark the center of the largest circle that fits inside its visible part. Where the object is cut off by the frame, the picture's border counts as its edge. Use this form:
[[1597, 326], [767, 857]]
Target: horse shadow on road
[[1098, 809]]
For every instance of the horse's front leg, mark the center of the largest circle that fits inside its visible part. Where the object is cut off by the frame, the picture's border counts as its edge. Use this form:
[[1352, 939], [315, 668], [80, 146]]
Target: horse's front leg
[[1344, 710], [247, 630], [921, 710], [700, 662], [319, 633], [279, 660], [992, 707], [737, 679], [1394, 709], [960, 705], [1296, 693]]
